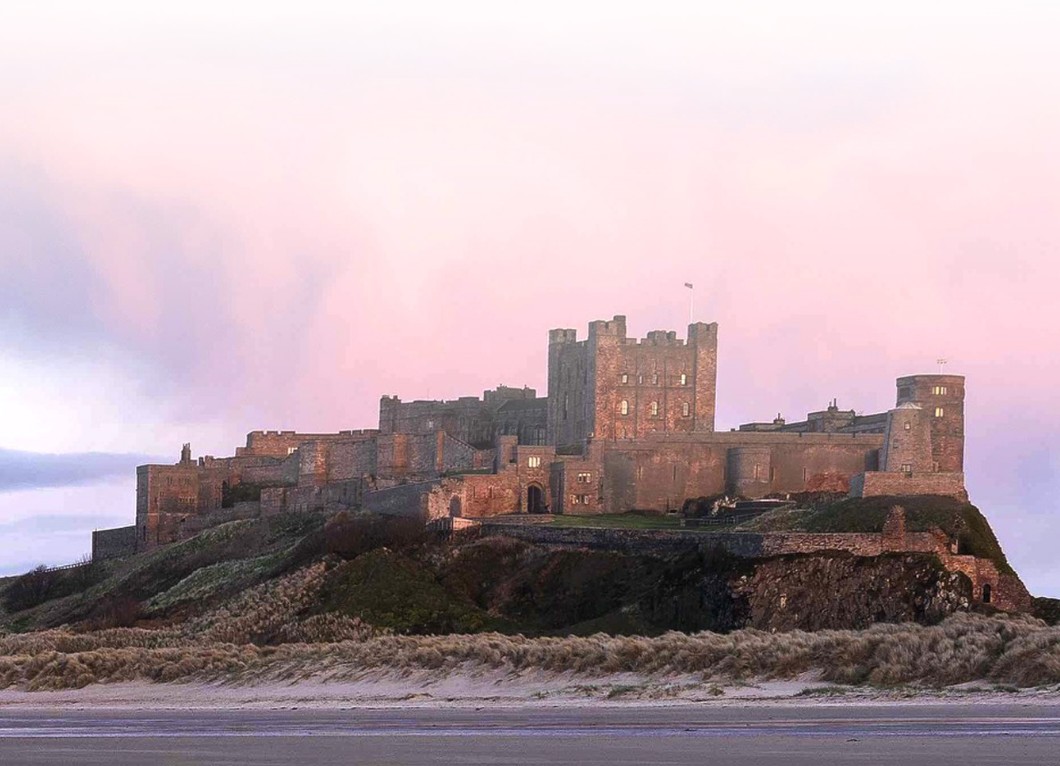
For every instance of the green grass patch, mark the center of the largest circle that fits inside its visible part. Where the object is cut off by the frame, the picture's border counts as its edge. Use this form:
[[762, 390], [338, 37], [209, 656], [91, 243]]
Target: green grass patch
[[388, 590], [619, 521], [922, 513]]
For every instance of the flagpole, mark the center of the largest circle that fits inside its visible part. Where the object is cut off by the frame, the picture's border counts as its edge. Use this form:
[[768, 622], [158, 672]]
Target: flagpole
[[691, 302]]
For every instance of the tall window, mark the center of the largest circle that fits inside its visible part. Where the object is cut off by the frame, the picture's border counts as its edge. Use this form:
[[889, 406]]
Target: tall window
[[654, 408], [686, 409], [655, 379], [939, 412], [623, 407], [684, 379]]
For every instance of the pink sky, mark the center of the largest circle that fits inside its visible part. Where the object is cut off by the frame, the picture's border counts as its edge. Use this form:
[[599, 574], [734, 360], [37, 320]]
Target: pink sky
[[268, 215]]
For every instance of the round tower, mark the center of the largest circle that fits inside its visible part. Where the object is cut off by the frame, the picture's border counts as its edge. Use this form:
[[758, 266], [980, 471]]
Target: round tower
[[907, 443], [941, 397]]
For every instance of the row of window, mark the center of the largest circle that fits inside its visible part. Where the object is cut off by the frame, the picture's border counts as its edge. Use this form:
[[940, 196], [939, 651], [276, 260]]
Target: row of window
[[579, 499], [653, 409], [682, 379], [939, 390]]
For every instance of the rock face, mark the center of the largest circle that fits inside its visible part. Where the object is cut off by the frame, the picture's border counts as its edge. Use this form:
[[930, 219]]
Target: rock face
[[539, 588], [838, 590]]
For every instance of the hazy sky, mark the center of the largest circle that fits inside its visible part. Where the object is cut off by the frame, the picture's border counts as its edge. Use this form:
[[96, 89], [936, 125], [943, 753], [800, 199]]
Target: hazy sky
[[216, 217]]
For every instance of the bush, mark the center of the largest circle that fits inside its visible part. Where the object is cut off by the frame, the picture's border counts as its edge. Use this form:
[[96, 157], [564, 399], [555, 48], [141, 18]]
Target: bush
[[348, 535], [114, 612], [33, 588]]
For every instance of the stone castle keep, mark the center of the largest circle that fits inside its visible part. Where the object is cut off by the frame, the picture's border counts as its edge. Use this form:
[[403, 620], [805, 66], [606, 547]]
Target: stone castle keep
[[627, 424]]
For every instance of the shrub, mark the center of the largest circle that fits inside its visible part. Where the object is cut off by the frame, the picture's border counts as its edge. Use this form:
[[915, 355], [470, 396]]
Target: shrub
[[33, 588], [349, 535]]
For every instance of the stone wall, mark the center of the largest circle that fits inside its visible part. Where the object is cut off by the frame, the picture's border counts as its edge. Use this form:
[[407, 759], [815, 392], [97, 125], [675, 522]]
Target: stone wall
[[662, 472], [336, 496], [282, 443], [402, 500], [474, 421], [876, 483], [113, 543]]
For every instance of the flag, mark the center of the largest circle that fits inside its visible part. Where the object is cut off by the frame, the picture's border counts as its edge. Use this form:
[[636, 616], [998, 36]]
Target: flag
[[688, 285]]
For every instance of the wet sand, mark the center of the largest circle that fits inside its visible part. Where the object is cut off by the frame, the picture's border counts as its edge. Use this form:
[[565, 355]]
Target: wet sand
[[801, 735]]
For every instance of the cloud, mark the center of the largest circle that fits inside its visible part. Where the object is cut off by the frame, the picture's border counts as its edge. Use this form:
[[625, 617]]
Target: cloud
[[33, 470]]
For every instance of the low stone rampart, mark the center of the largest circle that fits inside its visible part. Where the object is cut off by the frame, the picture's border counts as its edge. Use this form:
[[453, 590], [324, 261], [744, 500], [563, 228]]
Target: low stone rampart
[[896, 484], [402, 500], [114, 543]]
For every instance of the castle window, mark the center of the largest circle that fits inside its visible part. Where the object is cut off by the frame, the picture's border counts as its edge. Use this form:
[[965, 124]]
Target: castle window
[[939, 412], [908, 425], [684, 379], [625, 378], [579, 499], [534, 461], [907, 468], [758, 472], [640, 380], [939, 390], [686, 409], [655, 379], [986, 593], [623, 407], [654, 407], [292, 450], [584, 478]]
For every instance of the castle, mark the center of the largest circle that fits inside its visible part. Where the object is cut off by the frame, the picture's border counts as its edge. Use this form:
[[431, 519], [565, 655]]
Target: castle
[[627, 424]]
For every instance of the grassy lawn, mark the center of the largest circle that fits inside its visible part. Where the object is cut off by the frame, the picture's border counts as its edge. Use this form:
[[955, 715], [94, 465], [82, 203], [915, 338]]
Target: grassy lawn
[[618, 521]]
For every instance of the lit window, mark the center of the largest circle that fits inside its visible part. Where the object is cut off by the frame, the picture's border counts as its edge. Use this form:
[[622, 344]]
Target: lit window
[[684, 379], [655, 379], [625, 378], [585, 478], [939, 390], [686, 409], [640, 380], [534, 461], [292, 450], [579, 499], [654, 408], [623, 408], [908, 425], [939, 412], [907, 468]]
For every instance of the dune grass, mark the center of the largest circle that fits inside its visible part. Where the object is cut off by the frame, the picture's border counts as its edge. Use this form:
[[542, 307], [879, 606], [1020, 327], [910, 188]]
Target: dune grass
[[1013, 652]]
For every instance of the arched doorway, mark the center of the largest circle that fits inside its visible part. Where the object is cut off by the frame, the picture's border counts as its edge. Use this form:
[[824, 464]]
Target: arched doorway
[[535, 499], [454, 507]]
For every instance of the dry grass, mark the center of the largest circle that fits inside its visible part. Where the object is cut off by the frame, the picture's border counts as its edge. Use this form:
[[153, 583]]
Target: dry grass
[[1010, 651]]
